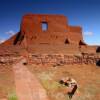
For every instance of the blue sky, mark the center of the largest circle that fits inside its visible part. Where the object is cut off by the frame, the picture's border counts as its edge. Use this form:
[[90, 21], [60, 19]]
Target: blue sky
[[85, 13]]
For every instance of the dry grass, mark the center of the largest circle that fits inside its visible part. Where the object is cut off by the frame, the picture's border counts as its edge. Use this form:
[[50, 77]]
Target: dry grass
[[6, 80], [87, 76], [12, 96]]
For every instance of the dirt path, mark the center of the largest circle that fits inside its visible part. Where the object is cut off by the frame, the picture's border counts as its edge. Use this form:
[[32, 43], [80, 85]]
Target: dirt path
[[27, 85]]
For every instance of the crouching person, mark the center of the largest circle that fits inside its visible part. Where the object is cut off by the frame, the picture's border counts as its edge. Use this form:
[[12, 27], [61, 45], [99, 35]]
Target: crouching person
[[73, 91], [73, 85]]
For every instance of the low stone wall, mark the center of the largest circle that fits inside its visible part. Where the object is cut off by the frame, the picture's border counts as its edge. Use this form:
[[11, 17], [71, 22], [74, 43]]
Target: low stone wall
[[60, 59], [53, 59], [8, 59]]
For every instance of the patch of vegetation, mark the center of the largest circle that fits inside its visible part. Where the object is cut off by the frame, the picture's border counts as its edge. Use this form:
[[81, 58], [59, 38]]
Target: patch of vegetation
[[12, 96], [45, 76], [58, 96], [48, 82], [53, 87], [89, 92]]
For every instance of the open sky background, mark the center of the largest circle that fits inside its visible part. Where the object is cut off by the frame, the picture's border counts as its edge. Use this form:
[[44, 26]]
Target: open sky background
[[85, 13]]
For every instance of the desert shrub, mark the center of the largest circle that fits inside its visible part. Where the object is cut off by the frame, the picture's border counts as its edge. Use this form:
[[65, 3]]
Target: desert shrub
[[12, 96], [89, 92], [98, 63], [58, 96], [98, 50]]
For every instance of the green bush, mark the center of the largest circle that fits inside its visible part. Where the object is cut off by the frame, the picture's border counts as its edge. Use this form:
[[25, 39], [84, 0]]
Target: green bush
[[12, 96]]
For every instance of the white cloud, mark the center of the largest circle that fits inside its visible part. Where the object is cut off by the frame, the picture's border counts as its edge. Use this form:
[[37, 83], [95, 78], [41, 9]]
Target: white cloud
[[1, 40], [88, 33], [11, 32]]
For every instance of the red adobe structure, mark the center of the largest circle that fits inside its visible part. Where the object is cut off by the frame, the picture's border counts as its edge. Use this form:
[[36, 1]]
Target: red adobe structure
[[50, 30]]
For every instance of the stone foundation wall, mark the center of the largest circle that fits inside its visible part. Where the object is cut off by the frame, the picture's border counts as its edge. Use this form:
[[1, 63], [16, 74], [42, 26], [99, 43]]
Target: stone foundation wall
[[8, 59], [63, 59], [53, 59]]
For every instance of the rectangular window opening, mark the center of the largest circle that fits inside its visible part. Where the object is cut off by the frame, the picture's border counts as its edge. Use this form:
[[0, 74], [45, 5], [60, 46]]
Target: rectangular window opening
[[44, 26]]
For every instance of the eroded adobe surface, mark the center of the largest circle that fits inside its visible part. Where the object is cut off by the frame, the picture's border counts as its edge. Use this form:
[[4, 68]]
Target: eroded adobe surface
[[47, 34], [57, 30]]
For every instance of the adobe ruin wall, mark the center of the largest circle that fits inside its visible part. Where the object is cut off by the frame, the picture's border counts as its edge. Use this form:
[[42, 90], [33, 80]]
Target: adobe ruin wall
[[58, 30], [53, 59]]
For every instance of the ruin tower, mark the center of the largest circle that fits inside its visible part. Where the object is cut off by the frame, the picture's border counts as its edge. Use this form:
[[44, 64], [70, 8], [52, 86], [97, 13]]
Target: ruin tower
[[46, 29], [47, 33], [49, 29]]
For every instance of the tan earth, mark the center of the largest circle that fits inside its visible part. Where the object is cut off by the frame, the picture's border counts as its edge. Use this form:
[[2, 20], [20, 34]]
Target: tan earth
[[27, 85]]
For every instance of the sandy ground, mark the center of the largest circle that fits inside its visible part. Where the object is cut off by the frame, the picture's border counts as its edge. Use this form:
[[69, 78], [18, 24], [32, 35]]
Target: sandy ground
[[38, 82], [87, 77], [27, 85]]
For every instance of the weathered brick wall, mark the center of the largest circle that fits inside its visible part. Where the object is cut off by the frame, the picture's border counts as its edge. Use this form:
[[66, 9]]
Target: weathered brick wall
[[60, 59], [52, 59], [75, 34], [8, 59], [58, 29]]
